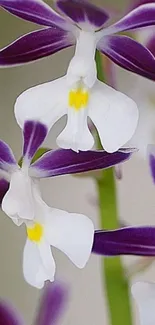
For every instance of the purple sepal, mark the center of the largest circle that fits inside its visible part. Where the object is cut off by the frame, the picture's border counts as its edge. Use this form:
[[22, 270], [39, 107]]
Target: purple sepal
[[142, 16], [35, 45], [81, 11], [36, 11], [65, 161], [34, 133], [52, 305], [151, 44], [126, 241], [129, 54], [151, 159], [8, 315], [141, 2], [4, 186], [7, 159]]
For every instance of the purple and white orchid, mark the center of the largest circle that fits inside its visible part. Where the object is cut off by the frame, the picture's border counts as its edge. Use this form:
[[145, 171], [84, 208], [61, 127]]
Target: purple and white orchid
[[52, 306], [22, 202], [79, 94]]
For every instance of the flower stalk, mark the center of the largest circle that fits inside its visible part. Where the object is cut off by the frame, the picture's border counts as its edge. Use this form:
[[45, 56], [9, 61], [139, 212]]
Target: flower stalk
[[113, 273]]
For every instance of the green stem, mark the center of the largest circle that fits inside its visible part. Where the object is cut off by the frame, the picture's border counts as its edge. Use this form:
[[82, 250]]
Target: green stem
[[116, 284]]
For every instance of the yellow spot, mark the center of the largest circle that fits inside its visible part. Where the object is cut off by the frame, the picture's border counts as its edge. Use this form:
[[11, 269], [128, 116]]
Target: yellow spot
[[35, 233], [78, 98]]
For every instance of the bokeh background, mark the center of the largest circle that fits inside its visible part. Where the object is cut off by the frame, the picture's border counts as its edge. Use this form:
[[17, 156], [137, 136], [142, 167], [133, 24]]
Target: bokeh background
[[136, 193]]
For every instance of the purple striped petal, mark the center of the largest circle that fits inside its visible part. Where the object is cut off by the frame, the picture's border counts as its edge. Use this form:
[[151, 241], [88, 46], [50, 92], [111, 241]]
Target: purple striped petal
[[36, 11], [34, 134], [8, 316], [129, 54], [126, 241], [60, 162], [7, 159], [81, 11], [52, 305], [4, 186], [35, 45], [142, 16]]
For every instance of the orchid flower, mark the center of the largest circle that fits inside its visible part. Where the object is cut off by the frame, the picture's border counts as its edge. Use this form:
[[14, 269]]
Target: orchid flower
[[144, 294], [51, 307], [22, 202], [79, 94]]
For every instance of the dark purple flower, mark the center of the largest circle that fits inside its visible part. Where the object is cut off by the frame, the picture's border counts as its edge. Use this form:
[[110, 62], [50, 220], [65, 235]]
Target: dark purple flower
[[50, 310]]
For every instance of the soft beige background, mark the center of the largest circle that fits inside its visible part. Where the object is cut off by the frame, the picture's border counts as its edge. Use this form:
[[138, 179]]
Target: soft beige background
[[136, 196]]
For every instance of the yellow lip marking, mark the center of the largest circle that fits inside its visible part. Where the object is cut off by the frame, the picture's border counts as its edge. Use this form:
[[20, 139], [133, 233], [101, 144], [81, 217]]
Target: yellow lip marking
[[78, 98], [35, 233]]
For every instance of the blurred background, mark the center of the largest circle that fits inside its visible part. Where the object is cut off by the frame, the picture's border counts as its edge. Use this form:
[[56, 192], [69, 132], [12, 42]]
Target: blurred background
[[136, 193]]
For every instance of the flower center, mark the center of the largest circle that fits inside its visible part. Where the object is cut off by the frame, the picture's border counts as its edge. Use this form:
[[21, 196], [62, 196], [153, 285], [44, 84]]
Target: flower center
[[35, 233], [78, 98]]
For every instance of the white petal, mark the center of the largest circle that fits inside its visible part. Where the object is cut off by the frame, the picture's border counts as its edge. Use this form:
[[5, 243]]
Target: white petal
[[47, 259], [142, 91], [145, 129], [72, 233], [114, 114], [17, 221], [34, 270], [76, 135], [18, 201], [45, 103], [144, 294]]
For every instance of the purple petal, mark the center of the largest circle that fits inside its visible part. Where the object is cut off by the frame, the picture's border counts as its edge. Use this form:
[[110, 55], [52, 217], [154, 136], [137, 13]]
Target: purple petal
[[35, 45], [4, 186], [151, 45], [151, 159], [36, 11], [129, 54], [81, 11], [142, 16], [126, 241], [60, 162], [7, 159], [34, 134], [141, 2], [52, 305], [8, 316]]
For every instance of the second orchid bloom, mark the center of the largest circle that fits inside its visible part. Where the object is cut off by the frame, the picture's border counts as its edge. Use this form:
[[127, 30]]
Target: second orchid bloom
[[45, 226]]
